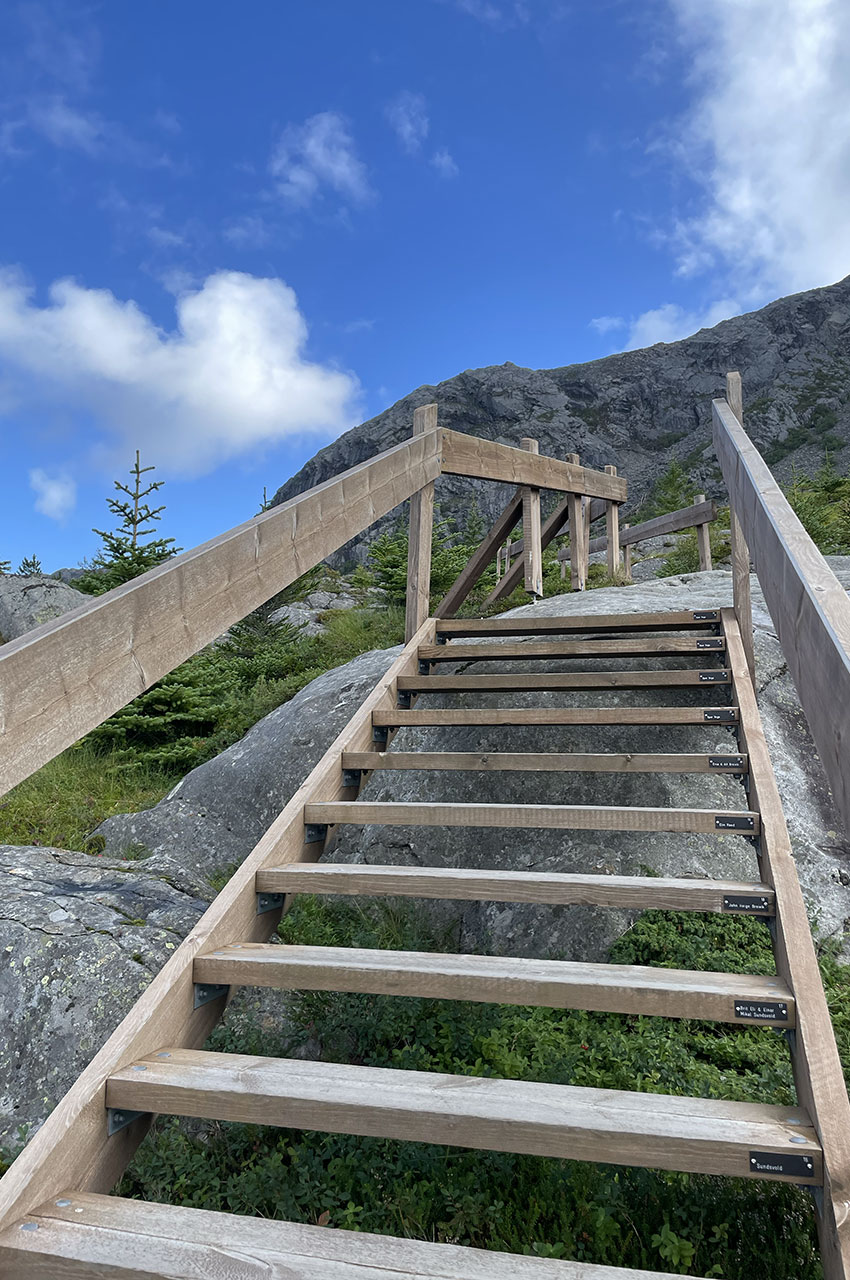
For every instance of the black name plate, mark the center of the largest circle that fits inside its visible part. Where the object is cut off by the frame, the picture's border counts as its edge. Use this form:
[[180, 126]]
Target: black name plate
[[733, 823], [751, 904], [736, 763], [761, 1010], [710, 644], [706, 615], [714, 677], [720, 715], [785, 1165]]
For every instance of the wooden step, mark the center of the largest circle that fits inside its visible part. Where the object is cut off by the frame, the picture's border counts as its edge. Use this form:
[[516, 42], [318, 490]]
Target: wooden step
[[79, 1236], [546, 762], [692, 1135], [549, 888], [394, 719], [553, 984], [568, 817], [552, 681], [638, 647], [603, 622]]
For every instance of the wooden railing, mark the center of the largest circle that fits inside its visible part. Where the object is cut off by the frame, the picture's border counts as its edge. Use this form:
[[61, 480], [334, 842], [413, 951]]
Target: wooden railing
[[61, 680], [808, 605], [698, 516]]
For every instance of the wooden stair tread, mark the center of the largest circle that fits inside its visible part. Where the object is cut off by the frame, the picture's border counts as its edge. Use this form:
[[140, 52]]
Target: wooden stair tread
[[543, 887], [549, 761], [647, 646], [555, 984], [551, 682], [80, 1235], [440, 717], [608, 1126], [558, 816], [629, 622]]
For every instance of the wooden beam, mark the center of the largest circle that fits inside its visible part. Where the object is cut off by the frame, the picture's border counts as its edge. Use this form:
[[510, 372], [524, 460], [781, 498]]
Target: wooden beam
[[532, 553], [818, 1073], [703, 540], [683, 620], [480, 559], [549, 681], [556, 715], [551, 528], [465, 455], [72, 1147], [650, 1130], [547, 761], [631, 647], [612, 531], [740, 551], [418, 602], [578, 550], [550, 984], [695, 516], [809, 607], [62, 679], [632, 893], [80, 1236], [627, 554], [561, 817]]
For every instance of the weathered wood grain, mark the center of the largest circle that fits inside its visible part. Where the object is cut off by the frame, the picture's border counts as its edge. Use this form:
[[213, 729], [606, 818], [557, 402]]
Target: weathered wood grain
[[551, 761], [557, 715], [630, 623], [532, 553], [418, 600], [697, 516], [480, 559], [550, 681], [636, 646], [465, 455]]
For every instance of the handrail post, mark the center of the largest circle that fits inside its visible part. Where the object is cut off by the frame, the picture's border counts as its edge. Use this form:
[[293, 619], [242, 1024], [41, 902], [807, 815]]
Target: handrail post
[[703, 540], [627, 557], [612, 531], [532, 550], [577, 576], [418, 600], [740, 551]]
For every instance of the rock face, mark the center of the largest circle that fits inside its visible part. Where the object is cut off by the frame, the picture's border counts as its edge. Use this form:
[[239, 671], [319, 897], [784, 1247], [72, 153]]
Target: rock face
[[81, 939], [640, 409], [27, 602], [216, 814], [307, 613]]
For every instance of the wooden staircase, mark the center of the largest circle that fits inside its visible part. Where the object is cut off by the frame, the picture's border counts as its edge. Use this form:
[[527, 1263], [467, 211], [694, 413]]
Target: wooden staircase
[[79, 1234], [57, 1218]]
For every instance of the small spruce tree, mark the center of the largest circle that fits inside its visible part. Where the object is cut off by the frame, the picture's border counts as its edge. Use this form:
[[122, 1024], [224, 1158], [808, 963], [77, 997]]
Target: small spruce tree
[[29, 566], [124, 554], [5, 566]]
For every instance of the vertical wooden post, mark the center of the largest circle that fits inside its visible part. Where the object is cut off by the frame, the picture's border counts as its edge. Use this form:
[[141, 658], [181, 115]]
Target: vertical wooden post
[[612, 530], [532, 549], [419, 538], [498, 564], [577, 577], [627, 557], [740, 551], [703, 540]]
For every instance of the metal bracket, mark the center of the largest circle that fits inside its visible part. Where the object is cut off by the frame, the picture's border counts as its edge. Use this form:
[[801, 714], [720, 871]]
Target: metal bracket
[[726, 762], [441, 637], [206, 992], [351, 777], [721, 715], [380, 733], [117, 1119], [734, 822], [424, 667], [404, 699], [315, 832], [714, 677], [710, 644], [269, 902]]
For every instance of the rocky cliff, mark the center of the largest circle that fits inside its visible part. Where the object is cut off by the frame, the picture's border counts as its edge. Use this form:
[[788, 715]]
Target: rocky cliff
[[641, 409]]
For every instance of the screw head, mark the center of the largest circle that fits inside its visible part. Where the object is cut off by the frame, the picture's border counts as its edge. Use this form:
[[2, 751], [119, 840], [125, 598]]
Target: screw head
[[139, 1067], [62, 1204], [29, 1226], [798, 1137]]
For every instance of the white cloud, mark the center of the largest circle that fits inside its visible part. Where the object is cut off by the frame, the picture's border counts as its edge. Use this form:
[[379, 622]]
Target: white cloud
[[445, 164], [670, 322], [230, 378], [408, 117], [248, 232], [56, 495], [316, 156], [66, 126], [604, 324], [501, 15], [768, 137]]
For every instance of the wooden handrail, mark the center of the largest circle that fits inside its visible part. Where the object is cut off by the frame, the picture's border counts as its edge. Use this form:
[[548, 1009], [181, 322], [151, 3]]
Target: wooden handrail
[[809, 607], [465, 455], [673, 521]]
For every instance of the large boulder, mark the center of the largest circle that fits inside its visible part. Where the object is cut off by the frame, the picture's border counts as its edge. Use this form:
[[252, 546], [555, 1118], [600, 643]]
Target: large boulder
[[214, 817], [81, 937], [26, 602]]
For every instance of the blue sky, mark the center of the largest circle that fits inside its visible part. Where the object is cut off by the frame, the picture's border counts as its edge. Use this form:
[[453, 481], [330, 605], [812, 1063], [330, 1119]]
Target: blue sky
[[228, 233]]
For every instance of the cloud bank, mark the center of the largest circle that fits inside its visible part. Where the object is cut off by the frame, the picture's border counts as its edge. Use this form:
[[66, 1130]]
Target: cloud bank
[[230, 378], [316, 157]]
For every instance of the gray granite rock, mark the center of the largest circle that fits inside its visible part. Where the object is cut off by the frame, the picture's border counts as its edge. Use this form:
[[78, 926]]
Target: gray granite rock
[[27, 602], [307, 613]]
